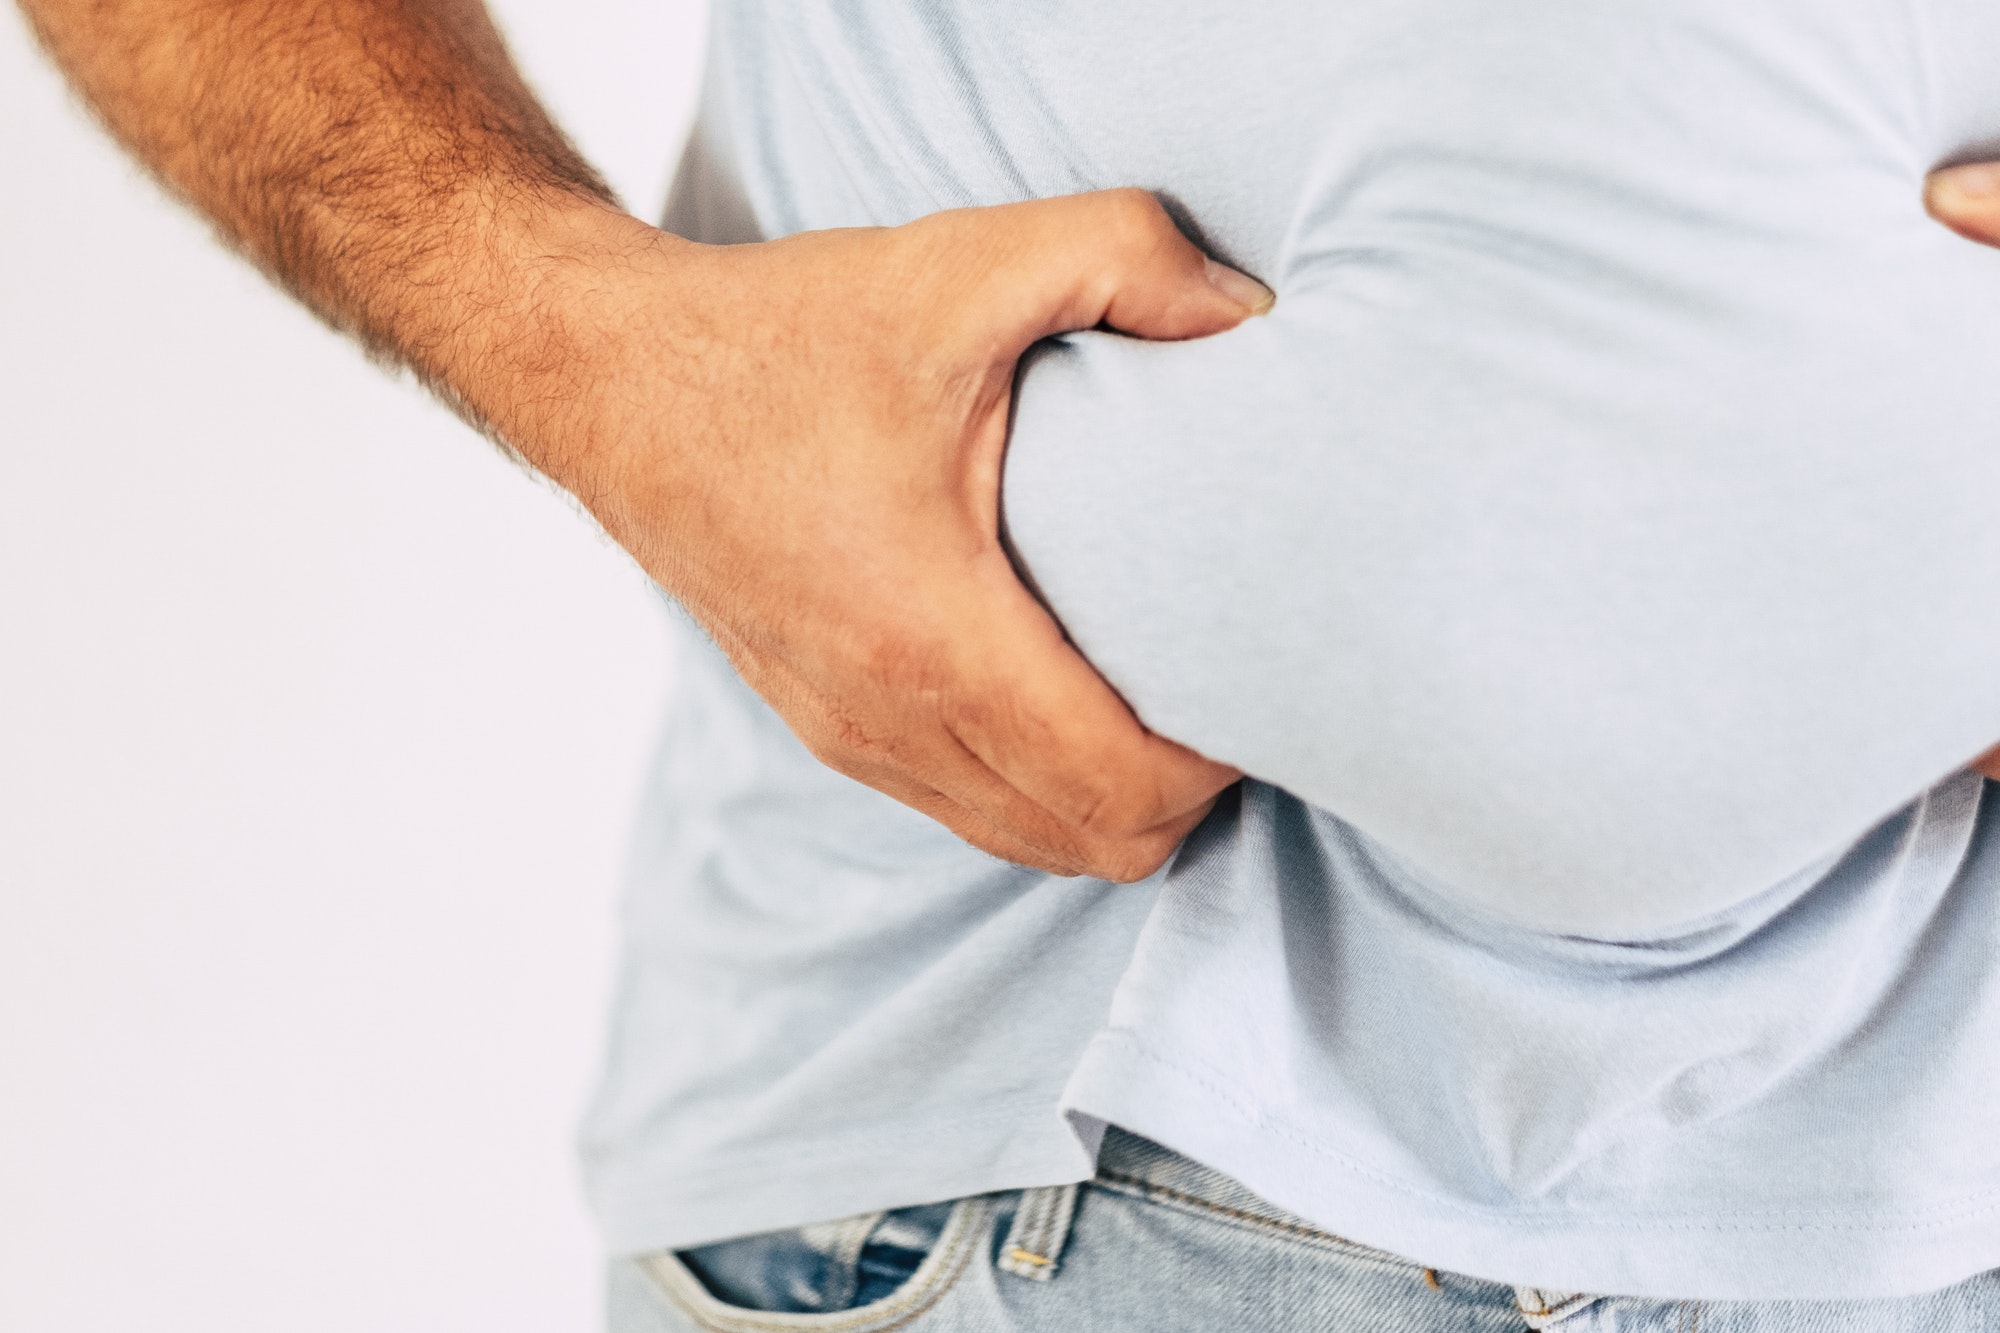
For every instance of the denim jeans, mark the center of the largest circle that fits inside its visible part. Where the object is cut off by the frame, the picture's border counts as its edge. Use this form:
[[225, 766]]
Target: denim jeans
[[1158, 1244]]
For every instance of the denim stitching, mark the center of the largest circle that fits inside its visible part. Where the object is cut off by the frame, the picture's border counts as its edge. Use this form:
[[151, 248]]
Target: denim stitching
[[1034, 1244], [1119, 1183], [1550, 1307]]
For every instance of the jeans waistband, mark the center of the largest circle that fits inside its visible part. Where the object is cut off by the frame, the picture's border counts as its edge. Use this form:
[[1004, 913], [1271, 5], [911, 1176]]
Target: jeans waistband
[[1128, 1160]]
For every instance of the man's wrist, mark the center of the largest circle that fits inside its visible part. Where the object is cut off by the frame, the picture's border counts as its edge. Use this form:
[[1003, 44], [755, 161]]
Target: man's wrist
[[522, 327]]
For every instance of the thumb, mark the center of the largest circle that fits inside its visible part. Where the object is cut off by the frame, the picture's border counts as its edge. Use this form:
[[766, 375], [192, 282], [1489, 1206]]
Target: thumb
[[1115, 258], [1967, 199]]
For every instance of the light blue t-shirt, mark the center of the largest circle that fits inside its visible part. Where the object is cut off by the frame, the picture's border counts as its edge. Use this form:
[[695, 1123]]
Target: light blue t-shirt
[[1592, 560]]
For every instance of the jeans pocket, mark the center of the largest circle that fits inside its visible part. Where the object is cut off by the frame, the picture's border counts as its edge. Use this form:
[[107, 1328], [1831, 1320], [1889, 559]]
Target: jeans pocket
[[852, 1275], [895, 1248]]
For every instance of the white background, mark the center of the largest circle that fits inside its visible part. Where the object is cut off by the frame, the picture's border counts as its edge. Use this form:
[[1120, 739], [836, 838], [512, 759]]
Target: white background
[[320, 729]]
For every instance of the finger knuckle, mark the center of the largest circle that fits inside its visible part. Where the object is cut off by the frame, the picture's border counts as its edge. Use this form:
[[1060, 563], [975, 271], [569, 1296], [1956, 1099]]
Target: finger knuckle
[[842, 739], [1115, 812], [1134, 218], [1128, 862]]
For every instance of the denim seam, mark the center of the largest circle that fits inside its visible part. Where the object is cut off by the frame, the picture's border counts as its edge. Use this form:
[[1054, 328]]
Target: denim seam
[[1976, 1206], [1547, 1313], [1133, 1186]]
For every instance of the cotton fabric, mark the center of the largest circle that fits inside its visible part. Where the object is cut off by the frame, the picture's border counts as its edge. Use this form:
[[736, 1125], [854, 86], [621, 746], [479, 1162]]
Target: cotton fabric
[[1590, 559]]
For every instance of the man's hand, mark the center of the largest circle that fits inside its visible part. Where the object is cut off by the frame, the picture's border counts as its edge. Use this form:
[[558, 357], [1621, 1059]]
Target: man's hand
[[1967, 199], [801, 440]]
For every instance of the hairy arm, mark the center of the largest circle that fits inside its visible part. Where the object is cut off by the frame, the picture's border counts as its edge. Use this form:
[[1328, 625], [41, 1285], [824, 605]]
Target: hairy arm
[[383, 161], [800, 440]]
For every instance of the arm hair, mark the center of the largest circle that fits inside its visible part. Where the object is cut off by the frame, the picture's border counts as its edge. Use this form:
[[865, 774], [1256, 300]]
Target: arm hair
[[382, 160]]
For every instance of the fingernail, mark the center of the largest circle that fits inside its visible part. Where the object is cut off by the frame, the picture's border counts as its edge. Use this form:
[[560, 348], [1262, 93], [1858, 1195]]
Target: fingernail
[[1241, 288], [1977, 182]]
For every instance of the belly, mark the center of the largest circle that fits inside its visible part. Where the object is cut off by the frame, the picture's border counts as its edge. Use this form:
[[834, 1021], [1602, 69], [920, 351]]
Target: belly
[[1602, 521]]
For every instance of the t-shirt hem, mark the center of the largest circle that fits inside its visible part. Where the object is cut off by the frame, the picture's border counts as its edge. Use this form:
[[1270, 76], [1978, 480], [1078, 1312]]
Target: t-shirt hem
[[1777, 1254], [657, 1200]]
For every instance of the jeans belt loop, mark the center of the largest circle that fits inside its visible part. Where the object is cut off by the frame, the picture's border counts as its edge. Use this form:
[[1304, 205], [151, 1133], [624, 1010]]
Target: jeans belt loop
[[1543, 1308], [1034, 1245]]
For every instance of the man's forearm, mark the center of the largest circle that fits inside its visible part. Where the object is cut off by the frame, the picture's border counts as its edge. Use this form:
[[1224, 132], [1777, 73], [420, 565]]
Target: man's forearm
[[800, 440], [380, 158]]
